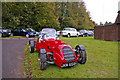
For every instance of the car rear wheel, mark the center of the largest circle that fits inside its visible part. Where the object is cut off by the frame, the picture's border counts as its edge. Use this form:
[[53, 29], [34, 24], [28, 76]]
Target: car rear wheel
[[27, 35], [31, 46], [82, 55], [42, 61], [83, 35], [77, 35]]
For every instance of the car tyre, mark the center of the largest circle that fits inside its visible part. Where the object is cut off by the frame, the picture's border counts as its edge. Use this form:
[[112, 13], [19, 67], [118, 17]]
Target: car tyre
[[68, 35], [11, 34], [42, 61], [77, 35], [27, 35], [83, 35], [31, 46], [83, 56]]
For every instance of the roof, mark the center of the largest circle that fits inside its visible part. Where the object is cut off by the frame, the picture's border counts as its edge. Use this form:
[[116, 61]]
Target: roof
[[69, 28], [48, 28], [118, 18]]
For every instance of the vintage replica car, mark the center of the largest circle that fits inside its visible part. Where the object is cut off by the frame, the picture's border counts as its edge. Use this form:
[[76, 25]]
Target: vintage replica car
[[53, 51]]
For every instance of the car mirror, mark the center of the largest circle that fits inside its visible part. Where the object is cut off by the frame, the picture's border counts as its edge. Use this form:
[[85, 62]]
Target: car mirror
[[57, 38]]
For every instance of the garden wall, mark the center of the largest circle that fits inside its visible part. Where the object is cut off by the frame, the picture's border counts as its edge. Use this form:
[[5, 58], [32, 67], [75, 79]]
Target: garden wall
[[107, 33]]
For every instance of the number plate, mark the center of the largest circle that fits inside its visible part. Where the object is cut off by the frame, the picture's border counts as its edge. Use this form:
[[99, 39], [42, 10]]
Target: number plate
[[68, 64]]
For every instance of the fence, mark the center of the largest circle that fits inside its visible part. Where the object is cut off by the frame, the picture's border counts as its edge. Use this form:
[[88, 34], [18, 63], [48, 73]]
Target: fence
[[108, 32]]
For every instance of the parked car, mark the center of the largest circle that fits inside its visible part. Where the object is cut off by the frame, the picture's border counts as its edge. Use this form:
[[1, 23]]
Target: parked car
[[5, 33], [70, 32], [53, 51], [32, 30], [90, 33], [83, 33], [23, 32], [59, 33]]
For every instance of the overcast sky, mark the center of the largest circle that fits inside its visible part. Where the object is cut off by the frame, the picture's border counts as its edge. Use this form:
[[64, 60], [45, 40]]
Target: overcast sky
[[102, 10]]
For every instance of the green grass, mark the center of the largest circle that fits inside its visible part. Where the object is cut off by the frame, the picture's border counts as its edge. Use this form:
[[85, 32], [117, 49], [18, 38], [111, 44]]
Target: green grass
[[102, 61]]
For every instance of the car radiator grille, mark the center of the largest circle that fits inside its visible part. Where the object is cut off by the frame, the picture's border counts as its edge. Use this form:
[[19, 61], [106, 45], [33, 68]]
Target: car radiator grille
[[68, 54]]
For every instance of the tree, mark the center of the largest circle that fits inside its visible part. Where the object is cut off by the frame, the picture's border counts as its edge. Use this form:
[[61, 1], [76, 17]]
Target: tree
[[38, 15]]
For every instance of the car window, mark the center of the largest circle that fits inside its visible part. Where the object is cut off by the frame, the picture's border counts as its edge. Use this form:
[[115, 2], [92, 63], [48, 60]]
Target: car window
[[15, 29], [74, 30], [23, 30], [32, 29], [81, 31], [4, 30], [18, 30]]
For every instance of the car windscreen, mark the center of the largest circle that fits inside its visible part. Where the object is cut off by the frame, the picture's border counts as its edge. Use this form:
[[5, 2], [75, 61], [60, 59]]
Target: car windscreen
[[29, 29], [67, 29], [49, 32], [24, 30], [6, 30]]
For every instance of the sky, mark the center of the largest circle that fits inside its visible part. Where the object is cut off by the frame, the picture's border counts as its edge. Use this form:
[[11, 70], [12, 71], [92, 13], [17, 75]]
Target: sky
[[102, 10]]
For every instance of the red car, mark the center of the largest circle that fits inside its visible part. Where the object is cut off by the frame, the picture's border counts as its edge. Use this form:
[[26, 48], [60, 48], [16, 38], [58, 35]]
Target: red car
[[52, 50]]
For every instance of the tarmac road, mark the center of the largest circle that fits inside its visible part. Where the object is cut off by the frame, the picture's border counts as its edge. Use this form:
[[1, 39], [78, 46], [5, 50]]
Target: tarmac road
[[13, 57]]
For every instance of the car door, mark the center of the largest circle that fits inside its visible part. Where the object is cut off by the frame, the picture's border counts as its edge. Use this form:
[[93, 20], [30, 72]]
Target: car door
[[74, 32], [22, 32], [15, 32]]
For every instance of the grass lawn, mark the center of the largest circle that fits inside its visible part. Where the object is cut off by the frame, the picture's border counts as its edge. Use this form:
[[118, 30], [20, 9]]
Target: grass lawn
[[102, 61]]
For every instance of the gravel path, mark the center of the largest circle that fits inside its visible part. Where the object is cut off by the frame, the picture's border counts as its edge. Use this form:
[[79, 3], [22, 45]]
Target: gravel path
[[13, 57]]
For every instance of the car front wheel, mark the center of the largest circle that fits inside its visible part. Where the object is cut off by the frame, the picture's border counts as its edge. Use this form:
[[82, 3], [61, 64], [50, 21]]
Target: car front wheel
[[42, 61], [68, 35], [82, 54], [82, 58], [27, 35]]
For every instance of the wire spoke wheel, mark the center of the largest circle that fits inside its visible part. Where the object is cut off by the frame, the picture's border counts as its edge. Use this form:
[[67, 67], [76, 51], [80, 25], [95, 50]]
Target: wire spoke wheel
[[27, 35], [42, 61], [83, 56]]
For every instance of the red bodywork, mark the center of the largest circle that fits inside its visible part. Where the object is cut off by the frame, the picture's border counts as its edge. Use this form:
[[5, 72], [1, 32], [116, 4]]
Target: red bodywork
[[56, 48]]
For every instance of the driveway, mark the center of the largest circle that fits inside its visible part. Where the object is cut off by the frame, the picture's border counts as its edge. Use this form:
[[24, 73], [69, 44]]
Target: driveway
[[13, 51]]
